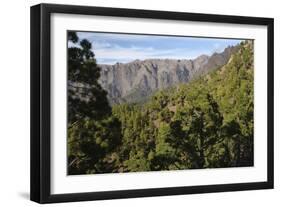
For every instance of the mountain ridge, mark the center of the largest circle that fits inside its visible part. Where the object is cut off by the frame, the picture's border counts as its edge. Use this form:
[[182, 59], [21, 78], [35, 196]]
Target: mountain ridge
[[134, 81]]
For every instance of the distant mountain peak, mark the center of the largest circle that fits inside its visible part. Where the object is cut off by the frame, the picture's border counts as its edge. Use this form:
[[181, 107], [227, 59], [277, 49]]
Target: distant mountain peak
[[137, 80]]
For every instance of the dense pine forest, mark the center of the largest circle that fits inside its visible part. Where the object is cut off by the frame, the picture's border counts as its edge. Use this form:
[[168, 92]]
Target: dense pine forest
[[207, 123]]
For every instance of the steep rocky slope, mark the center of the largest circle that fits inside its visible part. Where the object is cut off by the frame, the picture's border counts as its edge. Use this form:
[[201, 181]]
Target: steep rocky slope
[[137, 80]]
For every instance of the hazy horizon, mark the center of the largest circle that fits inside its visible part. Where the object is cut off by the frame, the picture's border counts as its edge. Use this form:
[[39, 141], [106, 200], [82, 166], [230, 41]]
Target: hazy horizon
[[112, 48]]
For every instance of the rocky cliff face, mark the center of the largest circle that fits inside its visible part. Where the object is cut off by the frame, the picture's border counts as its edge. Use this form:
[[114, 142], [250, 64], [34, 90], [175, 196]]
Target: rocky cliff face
[[137, 80]]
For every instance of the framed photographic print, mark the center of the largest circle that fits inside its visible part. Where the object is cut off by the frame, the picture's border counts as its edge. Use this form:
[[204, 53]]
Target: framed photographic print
[[132, 103]]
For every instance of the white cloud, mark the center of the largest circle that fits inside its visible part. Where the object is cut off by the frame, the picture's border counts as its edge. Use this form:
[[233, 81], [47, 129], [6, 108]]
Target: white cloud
[[110, 48], [122, 54]]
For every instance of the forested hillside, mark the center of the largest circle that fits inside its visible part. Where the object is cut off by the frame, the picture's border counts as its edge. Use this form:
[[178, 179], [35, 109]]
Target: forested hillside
[[206, 123], [136, 81]]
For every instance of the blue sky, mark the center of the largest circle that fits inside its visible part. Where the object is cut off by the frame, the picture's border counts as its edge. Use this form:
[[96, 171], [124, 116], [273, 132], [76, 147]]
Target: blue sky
[[110, 48]]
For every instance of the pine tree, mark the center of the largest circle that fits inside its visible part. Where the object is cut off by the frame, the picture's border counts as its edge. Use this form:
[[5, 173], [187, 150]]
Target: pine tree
[[86, 98], [93, 133]]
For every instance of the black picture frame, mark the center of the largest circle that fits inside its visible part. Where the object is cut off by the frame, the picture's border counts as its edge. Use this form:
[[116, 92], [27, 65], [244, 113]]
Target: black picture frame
[[41, 96]]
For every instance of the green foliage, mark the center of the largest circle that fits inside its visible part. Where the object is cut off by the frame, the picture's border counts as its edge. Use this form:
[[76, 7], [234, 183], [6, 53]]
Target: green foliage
[[86, 98], [207, 123], [93, 133]]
